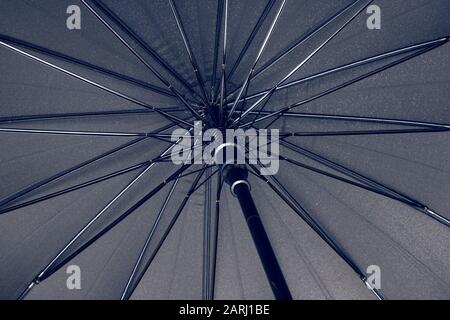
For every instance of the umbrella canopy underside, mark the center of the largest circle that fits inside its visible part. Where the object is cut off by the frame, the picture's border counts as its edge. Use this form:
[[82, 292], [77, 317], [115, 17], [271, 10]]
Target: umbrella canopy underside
[[365, 160]]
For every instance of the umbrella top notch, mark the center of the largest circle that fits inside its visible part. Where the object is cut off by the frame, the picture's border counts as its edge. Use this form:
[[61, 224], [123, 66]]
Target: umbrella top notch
[[212, 114]]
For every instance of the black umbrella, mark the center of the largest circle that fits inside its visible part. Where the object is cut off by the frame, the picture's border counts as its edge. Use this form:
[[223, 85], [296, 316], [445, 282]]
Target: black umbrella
[[92, 91]]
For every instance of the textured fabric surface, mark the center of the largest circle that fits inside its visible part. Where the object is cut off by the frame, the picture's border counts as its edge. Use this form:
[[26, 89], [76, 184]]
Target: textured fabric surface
[[410, 247]]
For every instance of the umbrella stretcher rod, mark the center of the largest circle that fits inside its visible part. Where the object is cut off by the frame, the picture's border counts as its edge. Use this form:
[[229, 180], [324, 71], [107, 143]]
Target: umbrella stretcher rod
[[236, 176]]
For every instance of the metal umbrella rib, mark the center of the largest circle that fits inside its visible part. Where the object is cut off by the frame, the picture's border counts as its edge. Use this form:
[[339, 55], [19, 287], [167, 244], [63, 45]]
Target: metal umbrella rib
[[291, 202], [340, 117], [55, 264], [251, 37], [189, 50], [224, 62], [214, 243], [149, 238], [129, 290], [258, 56], [268, 95], [347, 66], [95, 84], [364, 169], [113, 17], [75, 168], [86, 65], [74, 188], [285, 52], [207, 221], [141, 58], [370, 182], [278, 113]]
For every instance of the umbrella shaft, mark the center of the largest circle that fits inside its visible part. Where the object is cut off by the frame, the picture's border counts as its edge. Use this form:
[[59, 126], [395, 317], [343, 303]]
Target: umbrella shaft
[[262, 243]]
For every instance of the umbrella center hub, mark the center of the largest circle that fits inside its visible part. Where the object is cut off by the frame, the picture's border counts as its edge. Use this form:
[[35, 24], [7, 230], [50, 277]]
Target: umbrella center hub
[[212, 115]]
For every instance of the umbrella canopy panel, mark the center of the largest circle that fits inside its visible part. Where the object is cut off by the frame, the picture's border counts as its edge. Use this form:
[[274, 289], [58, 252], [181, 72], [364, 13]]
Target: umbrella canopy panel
[[86, 177]]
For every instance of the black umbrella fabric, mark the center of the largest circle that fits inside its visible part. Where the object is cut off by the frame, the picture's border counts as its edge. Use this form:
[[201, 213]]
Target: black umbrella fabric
[[86, 176]]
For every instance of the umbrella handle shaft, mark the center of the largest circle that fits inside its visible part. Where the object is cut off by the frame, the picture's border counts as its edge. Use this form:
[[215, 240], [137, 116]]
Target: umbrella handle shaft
[[241, 189]]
